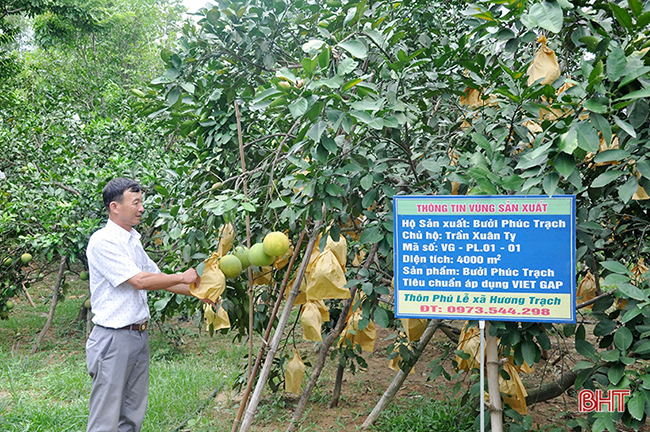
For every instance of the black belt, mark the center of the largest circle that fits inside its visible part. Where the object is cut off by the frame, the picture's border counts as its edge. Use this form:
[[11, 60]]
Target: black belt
[[137, 327]]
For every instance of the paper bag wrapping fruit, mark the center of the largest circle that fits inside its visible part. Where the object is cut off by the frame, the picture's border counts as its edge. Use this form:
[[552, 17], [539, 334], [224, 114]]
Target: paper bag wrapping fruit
[[326, 280], [311, 320], [213, 281], [469, 341], [294, 374], [587, 289], [544, 65], [226, 237], [414, 327], [365, 338], [219, 319]]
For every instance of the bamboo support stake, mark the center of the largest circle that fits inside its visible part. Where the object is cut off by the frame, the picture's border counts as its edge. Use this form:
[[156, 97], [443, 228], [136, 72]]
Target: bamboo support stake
[[492, 357], [277, 337], [248, 240], [55, 299], [267, 333], [401, 376], [324, 351]]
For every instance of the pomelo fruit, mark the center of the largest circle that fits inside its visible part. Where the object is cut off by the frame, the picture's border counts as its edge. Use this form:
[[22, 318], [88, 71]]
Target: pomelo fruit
[[230, 266], [257, 256], [8, 262], [276, 244], [26, 258], [87, 304], [241, 252], [10, 305], [84, 275]]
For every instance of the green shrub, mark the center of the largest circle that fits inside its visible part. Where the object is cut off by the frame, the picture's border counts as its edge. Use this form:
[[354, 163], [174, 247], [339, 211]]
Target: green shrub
[[426, 415]]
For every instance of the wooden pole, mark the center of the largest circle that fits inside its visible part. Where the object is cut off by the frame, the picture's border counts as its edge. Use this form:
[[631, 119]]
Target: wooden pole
[[324, 350], [401, 376], [277, 337], [269, 328], [492, 357], [248, 240]]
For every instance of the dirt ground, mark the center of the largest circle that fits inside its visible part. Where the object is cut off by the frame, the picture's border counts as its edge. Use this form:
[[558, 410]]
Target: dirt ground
[[361, 391]]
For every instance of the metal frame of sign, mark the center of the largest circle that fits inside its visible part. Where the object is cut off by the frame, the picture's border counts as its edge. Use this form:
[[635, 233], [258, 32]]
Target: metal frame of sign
[[506, 258]]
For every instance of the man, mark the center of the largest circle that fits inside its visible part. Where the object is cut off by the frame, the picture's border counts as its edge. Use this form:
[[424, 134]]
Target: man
[[121, 273]]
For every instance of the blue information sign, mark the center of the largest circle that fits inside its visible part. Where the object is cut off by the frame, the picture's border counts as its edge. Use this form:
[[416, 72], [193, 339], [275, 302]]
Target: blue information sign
[[485, 257]]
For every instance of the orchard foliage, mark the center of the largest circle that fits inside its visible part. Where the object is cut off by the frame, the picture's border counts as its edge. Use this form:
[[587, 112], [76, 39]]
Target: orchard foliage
[[345, 104]]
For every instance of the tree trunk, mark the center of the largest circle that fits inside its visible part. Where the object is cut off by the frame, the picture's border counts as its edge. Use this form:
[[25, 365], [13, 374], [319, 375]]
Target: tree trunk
[[337, 386], [55, 299], [277, 337], [492, 355], [552, 390], [401, 376], [324, 350]]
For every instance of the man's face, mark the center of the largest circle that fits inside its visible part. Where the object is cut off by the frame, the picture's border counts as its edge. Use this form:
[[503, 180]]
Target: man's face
[[129, 211]]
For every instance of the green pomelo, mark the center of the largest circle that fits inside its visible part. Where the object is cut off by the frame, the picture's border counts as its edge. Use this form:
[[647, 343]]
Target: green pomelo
[[230, 266], [257, 256], [276, 244], [241, 252]]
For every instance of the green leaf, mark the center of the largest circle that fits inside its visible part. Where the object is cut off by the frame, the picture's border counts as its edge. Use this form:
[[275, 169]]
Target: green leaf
[[317, 130], [529, 351], [309, 65], [615, 266], [642, 347], [346, 66], [623, 338], [548, 15], [329, 144], [564, 164], [371, 235], [636, 405], [603, 126], [355, 48], [277, 204], [569, 141], [616, 372], [298, 107], [631, 291], [613, 155], [606, 178], [366, 181], [604, 328], [644, 168], [634, 74], [381, 317], [625, 126], [162, 190], [596, 106], [616, 64], [611, 355], [622, 15], [550, 183], [580, 365], [585, 348], [313, 46], [627, 191], [638, 94], [587, 137]]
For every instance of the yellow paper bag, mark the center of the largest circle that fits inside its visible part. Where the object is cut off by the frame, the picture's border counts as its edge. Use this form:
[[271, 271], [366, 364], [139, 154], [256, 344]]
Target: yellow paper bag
[[513, 391], [544, 65], [414, 327], [294, 374], [339, 248], [469, 341], [226, 237], [327, 279], [282, 261], [213, 281], [324, 311], [587, 289], [302, 295], [219, 319], [365, 338], [264, 276], [311, 321]]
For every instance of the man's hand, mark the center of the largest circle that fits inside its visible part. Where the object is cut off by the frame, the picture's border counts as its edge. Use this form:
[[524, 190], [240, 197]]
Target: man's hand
[[190, 276]]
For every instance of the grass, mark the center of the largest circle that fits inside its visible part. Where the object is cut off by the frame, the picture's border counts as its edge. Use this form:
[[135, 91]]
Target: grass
[[49, 390], [426, 415]]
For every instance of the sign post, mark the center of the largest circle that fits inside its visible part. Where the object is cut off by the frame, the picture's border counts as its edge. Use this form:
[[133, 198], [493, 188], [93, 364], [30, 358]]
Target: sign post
[[505, 258]]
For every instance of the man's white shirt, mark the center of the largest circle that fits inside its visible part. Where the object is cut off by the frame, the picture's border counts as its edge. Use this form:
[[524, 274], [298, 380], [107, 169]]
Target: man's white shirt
[[115, 256]]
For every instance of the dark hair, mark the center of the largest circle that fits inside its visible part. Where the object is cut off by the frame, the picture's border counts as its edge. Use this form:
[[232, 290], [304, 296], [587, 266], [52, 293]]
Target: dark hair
[[114, 190]]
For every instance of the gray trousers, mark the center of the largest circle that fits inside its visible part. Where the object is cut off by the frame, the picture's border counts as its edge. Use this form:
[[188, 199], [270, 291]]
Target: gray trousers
[[118, 363]]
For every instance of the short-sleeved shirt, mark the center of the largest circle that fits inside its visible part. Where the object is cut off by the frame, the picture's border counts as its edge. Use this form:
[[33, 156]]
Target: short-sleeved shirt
[[115, 255]]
